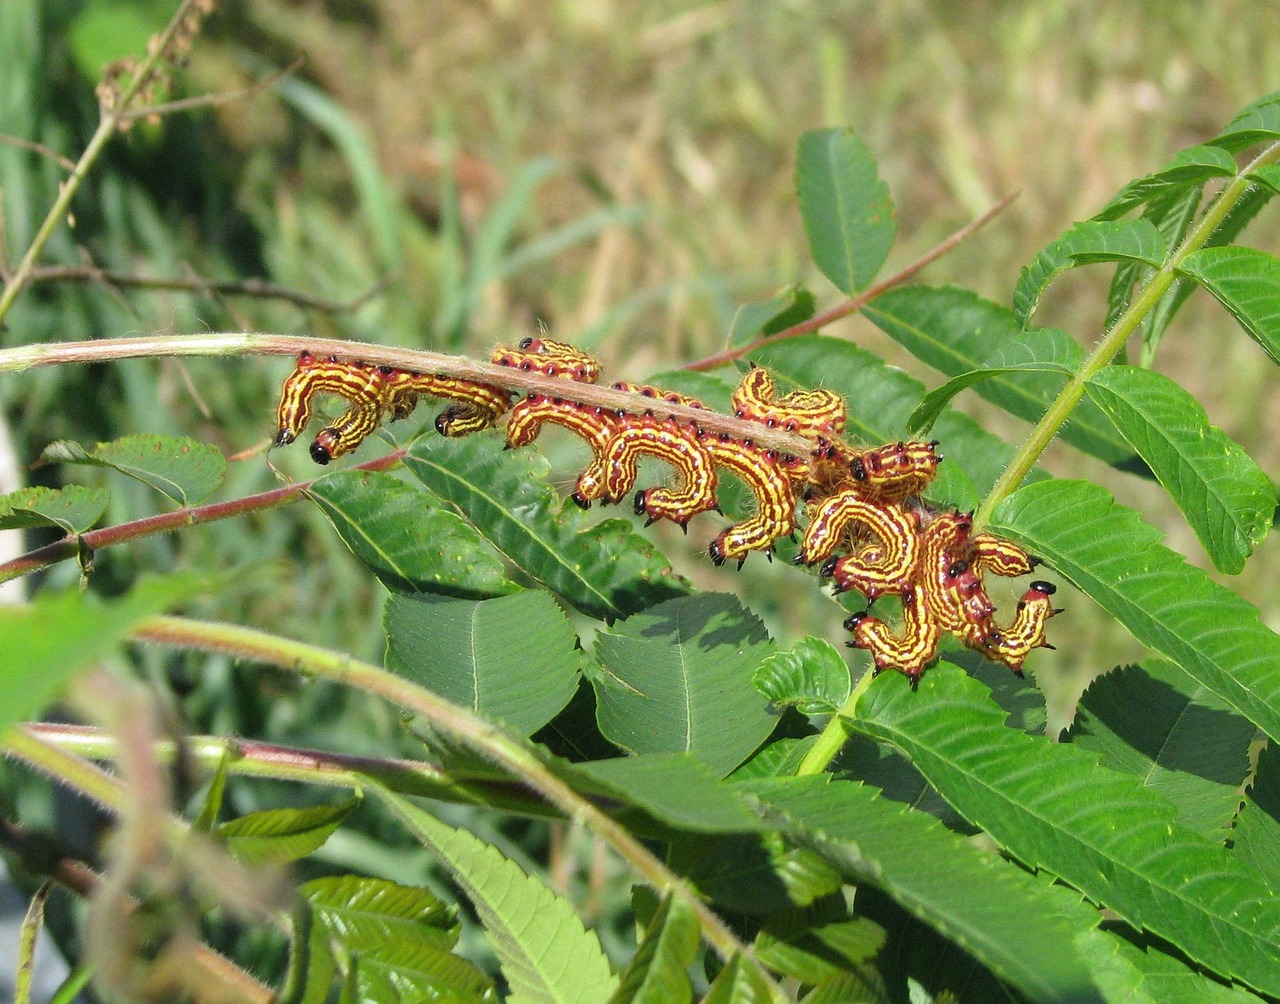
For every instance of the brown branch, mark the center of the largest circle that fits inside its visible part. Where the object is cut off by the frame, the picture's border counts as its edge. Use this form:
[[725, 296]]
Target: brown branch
[[73, 544], [66, 163], [211, 100], [25, 357], [206, 287], [840, 310]]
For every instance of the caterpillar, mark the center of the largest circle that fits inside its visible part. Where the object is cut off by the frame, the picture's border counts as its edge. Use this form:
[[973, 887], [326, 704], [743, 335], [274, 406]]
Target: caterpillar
[[866, 523]]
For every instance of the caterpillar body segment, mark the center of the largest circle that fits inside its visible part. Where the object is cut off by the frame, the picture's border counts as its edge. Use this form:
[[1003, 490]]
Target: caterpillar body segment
[[867, 525]]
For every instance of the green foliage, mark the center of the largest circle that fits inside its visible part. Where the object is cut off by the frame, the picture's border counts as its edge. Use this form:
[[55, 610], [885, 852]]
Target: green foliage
[[830, 820]]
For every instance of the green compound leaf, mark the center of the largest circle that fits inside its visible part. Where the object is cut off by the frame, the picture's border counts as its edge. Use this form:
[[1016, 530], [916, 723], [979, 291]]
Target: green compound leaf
[[274, 836], [1155, 722], [1269, 175], [1247, 282], [1258, 122], [606, 570], [543, 949], [1256, 835], [848, 215], [390, 943], [1000, 914], [1188, 169], [955, 330], [677, 678], [811, 675], [513, 659], [402, 534], [1085, 244], [659, 971], [186, 470], [932, 404], [1057, 810], [1172, 607], [1147, 975], [1225, 496], [74, 508]]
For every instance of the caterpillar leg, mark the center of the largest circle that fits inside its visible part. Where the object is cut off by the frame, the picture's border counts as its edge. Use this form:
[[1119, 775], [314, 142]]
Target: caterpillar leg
[[909, 651], [1011, 645]]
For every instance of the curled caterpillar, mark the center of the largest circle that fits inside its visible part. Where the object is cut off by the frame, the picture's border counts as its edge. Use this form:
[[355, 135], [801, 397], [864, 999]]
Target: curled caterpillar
[[867, 526]]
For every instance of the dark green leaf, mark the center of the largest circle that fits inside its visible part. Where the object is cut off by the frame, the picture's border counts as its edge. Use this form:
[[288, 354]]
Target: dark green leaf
[[1268, 175], [1188, 170], [1247, 282], [1056, 809], [1223, 493], [955, 331], [46, 642], [1158, 724], [1147, 975], [74, 508], [677, 678], [659, 971], [754, 874], [404, 536], [800, 945], [1084, 244], [848, 215], [513, 659], [793, 305], [811, 675], [605, 570], [1003, 916], [1171, 607], [542, 947], [186, 470], [274, 836], [1258, 122], [1256, 836]]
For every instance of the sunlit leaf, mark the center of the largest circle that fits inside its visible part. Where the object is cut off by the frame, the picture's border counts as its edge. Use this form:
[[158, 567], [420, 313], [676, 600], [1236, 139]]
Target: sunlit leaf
[[793, 305], [659, 971], [512, 659], [1056, 809], [1256, 835], [186, 470], [545, 953], [1258, 122], [274, 836], [1084, 244], [1188, 169], [1226, 497], [1156, 723], [403, 535], [811, 675], [1247, 282], [848, 215], [73, 509], [1170, 606]]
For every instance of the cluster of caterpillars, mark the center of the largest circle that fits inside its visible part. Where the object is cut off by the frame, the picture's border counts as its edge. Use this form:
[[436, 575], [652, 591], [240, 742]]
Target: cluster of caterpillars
[[867, 526]]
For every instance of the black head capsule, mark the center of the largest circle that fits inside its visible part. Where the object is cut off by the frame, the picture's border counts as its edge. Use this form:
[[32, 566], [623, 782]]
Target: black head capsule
[[854, 619], [580, 501], [319, 454], [1048, 588]]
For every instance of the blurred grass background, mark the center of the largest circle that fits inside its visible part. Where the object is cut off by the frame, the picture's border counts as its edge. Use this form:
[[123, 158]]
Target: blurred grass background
[[618, 172]]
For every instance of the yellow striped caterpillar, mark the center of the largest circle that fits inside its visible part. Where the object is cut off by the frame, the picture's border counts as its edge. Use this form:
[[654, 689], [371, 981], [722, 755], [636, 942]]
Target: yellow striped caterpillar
[[866, 522]]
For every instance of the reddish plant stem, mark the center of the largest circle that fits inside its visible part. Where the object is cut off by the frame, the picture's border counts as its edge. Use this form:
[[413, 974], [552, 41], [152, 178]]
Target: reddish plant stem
[[72, 544], [818, 321]]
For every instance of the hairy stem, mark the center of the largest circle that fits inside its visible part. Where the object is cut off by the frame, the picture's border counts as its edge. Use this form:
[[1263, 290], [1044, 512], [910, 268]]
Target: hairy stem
[[462, 725], [107, 126], [24, 357], [1113, 340], [73, 544]]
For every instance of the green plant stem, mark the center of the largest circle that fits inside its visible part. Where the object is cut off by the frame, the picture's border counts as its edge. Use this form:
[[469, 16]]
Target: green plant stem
[[249, 758], [25, 357], [1113, 340], [73, 544], [107, 126], [462, 725], [833, 735]]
